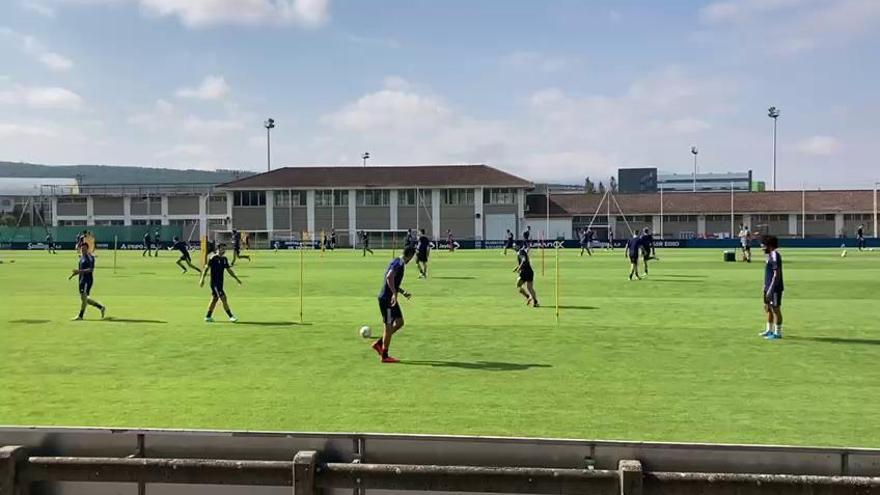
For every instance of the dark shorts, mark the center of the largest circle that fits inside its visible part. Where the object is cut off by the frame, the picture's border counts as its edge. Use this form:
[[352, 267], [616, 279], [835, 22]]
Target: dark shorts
[[508, 245], [528, 276], [236, 250], [422, 257], [217, 290], [389, 312], [185, 257], [85, 287], [634, 259], [775, 299], [148, 245]]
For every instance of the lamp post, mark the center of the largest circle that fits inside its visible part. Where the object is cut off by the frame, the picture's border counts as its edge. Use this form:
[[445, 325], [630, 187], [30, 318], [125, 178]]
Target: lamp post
[[695, 151], [269, 124], [773, 113], [365, 157], [876, 236]]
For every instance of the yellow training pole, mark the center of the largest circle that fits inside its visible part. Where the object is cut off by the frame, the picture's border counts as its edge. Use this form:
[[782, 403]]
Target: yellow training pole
[[557, 284], [115, 240], [301, 269]]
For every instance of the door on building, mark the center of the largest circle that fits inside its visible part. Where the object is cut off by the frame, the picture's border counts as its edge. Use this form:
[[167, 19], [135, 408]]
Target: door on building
[[497, 226]]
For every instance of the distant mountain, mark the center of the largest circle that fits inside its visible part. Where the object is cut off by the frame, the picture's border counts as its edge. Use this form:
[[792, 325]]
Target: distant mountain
[[108, 174]]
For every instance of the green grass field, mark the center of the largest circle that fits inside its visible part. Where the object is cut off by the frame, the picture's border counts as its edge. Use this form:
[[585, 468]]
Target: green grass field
[[675, 357]]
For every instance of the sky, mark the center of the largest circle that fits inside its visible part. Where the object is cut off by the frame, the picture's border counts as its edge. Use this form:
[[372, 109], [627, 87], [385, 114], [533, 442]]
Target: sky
[[553, 90]]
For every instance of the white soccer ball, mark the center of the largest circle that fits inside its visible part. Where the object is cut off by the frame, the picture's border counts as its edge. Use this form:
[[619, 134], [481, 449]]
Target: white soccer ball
[[843, 254], [365, 332]]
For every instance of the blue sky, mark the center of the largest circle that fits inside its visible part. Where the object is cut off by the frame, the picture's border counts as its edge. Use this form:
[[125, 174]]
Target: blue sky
[[555, 90]]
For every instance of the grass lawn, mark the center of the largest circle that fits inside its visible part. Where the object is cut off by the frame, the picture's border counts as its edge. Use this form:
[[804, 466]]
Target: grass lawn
[[675, 357]]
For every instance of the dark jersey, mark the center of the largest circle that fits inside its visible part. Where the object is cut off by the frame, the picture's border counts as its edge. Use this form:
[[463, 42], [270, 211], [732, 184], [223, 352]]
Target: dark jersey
[[774, 264], [86, 261], [510, 237], [410, 240], [423, 244], [647, 241], [236, 240], [218, 265], [584, 240], [860, 233], [48, 239], [147, 239], [589, 236], [397, 266], [526, 234], [525, 265], [182, 247], [632, 247]]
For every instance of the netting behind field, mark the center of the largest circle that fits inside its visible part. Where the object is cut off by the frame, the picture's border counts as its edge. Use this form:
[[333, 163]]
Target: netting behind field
[[383, 239]]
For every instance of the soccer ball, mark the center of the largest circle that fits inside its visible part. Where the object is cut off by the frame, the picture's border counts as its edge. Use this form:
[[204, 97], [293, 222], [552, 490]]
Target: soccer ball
[[365, 332], [843, 254]]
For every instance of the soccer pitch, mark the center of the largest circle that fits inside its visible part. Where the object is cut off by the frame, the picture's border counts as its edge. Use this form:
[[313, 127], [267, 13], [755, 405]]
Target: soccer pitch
[[674, 357]]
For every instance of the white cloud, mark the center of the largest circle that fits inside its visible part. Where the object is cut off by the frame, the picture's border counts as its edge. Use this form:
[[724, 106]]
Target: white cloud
[[536, 61], [206, 13], [185, 151], [16, 131], [41, 97], [729, 11], [38, 8], [30, 46], [211, 88], [819, 145], [196, 125], [157, 118], [390, 109]]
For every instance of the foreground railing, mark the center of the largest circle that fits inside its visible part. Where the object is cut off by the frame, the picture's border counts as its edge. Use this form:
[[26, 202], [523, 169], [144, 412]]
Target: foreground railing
[[307, 475]]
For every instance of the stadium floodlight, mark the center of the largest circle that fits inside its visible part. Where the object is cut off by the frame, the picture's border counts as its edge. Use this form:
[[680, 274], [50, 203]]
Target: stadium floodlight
[[695, 151], [269, 124], [365, 157], [773, 113]]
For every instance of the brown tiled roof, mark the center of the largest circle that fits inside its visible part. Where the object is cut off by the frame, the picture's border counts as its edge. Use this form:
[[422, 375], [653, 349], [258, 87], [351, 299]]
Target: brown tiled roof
[[685, 203], [361, 177]]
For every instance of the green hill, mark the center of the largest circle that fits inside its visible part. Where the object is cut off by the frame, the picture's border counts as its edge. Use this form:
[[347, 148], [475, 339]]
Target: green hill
[[109, 174]]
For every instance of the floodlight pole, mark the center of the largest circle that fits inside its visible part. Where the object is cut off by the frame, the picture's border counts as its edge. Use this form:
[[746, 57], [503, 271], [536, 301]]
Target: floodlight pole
[[732, 216], [547, 228], [875, 210], [365, 157], [773, 113], [661, 211], [695, 151], [269, 124]]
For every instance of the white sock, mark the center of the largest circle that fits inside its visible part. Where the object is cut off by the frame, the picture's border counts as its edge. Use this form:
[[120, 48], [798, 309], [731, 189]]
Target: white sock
[[769, 328], [778, 329]]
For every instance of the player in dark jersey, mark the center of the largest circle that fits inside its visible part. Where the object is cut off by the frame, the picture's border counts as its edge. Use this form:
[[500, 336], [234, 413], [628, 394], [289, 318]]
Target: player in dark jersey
[[773, 288], [450, 241], [157, 241], [389, 306], [610, 238], [587, 242], [50, 244], [365, 242], [410, 239], [860, 237], [525, 284], [647, 243], [236, 248], [526, 235], [633, 246], [217, 265], [508, 244], [332, 239], [423, 249], [184, 255], [85, 270], [148, 245]]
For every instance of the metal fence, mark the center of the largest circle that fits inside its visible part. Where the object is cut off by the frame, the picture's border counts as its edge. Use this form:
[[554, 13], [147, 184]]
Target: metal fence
[[98, 461]]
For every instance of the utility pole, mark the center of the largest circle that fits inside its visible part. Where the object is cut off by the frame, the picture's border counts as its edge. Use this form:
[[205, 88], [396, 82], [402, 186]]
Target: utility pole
[[695, 151], [365, 157], [773, 113], [269, 124]]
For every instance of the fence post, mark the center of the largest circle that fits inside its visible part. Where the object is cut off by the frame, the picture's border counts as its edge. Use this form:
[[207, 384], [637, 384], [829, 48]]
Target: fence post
[[630, 477], [11, 457], [304, 472]]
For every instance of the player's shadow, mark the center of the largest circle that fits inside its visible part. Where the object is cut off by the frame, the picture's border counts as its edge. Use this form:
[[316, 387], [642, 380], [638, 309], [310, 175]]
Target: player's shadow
[[575, 307], [272, 323], [113, 319], [683, 276], [29, 322], [477, 365], [675, 280], [835, 340], [454, 278]]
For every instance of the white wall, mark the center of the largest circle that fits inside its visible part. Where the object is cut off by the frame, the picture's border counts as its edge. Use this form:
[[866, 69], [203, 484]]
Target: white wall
[[559, 227]]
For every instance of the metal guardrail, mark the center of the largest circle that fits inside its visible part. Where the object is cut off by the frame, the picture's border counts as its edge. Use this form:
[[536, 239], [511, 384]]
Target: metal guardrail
[[96, 461], [127, 189]]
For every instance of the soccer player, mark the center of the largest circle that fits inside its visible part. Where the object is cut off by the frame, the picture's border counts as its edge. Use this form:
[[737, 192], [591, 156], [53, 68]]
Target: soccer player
[[148, 245], [50, 244], [236, 248], [648, 252], [450, 240], [525, 284], [526, 235], [423, 248], [632, 251], [508, 244], [392, 316], [80, 240], [157, 240], [217, 265], [860, 235], [773, 288], [610, 238], [86, 270], [184, 255], [586, 241], [745, 242], [365, 242], [332, 239], [410, 239]]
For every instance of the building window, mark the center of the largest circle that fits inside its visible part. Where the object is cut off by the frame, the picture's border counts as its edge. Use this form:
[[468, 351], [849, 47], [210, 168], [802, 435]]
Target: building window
[[373, 197], [414, 197], [71, 223], [282, 198], [71, 200], [323, 197], [249, 198], [497, 196], [456, 197], [679, 218]]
